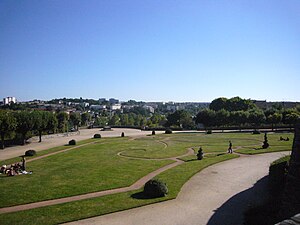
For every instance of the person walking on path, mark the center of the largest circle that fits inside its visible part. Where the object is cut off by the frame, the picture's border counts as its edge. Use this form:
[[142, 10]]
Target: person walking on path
[[230, 147]]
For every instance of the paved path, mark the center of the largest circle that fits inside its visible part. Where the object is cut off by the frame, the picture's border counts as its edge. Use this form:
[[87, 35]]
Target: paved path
[[217, 195]]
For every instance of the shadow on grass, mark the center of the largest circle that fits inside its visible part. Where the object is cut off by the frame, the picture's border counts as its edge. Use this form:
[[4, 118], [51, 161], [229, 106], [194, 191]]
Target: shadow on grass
[[232, 211], [141, 195]]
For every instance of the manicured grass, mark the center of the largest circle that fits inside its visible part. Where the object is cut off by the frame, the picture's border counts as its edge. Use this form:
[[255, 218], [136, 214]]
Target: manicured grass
[[175, 179], [97, 167]]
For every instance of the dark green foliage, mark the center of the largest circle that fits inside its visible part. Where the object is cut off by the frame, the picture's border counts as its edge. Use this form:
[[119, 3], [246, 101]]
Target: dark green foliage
[[256, 132], [277, 175], [155, 188], [265, 144], [209, 132], [200, 154], [122, 135], [153, 132], [72, 142], [168, 131], [30, 153], [97, 135]]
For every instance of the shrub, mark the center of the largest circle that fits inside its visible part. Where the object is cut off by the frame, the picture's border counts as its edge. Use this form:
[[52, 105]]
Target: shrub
[[153, 132], [155, 188], [168, 131], [200, 154], [256, 132], [122, 135], [30, 153], [209, 132], [277, 175], [266, 144], [97, 135], [72, 142]]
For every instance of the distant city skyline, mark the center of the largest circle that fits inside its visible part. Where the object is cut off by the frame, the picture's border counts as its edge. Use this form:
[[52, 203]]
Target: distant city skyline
[[154, 51]]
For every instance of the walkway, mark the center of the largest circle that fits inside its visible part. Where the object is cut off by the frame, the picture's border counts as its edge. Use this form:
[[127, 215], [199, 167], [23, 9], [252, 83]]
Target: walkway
[[217, 195]]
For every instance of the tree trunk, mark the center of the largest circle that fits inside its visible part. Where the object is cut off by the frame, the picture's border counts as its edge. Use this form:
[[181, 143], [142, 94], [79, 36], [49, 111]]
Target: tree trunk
[[23, 139], [40, 136], [291, 197], [2, 141]]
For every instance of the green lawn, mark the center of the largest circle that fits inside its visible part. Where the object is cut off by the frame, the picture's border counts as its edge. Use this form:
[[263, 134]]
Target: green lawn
[[97, 166]]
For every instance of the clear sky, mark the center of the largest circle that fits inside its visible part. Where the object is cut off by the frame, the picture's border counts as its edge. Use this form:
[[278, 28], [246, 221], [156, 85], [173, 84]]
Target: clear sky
[[150, 50]]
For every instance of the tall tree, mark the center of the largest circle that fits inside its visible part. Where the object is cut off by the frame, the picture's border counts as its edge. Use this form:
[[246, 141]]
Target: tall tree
[[206, 117], [85, 118], [25, 123], [274, 119], [75, 119], [8, 124], [62, 119]]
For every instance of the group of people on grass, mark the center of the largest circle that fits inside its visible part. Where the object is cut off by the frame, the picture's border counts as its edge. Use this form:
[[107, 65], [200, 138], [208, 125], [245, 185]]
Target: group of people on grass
[[15, 169]]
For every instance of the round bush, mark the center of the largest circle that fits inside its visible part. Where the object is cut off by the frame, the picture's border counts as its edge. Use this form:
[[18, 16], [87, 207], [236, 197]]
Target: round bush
[[122, 135], [256, 132], [155, 188], [72, 142], [209, 132], [153, 132], [168, 131], [97, 135], [30, 153]]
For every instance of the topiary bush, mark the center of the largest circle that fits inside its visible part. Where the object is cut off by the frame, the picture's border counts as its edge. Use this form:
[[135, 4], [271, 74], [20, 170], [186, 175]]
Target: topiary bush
[[72, 142], [168, 131], [256, 132], [30, 153], [200, 154], [265, 144], [97, 135], [122, 135], [209, 132], [155, 188], [153, 132]]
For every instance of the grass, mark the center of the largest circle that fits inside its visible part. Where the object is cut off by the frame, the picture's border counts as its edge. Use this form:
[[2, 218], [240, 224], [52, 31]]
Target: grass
[[174, 178], [97, 167]]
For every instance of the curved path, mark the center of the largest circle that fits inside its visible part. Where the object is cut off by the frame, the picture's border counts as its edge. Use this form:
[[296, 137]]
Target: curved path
[[217, 195], [135, 186]]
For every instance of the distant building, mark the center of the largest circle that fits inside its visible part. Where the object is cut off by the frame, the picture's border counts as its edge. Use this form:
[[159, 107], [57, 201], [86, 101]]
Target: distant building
[[113, 101], [115, 106], [149, 108], [102, 100], [98, 107], [9, 100]]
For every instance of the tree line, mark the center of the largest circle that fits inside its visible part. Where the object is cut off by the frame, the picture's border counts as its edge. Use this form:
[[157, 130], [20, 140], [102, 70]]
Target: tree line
[[18, 126]]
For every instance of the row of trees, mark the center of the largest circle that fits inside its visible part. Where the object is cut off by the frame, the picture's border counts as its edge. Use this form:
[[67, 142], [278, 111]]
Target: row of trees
[[21, 125]]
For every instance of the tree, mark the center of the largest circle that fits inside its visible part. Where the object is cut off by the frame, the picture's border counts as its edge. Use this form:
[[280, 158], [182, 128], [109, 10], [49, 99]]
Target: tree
[[115, 120], [222, 117], [256, 117], [75, 119], [43, 122], [8, 124], [274, 119], [180, 118], [218, 104], [206, 117], [25, 123], [86, 118], [291, 118], [62, 120]]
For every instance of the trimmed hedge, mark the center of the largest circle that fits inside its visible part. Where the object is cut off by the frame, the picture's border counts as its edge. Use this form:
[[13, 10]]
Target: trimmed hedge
[[277, 175], [72, 142], [209, 132], [97, 135], [153, 132], [122, 135], [30, 153], [168, 131], [155, 188]]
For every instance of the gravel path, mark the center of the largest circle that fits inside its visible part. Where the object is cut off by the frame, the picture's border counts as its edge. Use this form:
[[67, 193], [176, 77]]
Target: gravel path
[[217, 195]]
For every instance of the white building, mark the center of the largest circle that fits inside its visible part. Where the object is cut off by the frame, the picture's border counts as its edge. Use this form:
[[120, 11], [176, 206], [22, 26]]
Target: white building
[[8, 100], [98, 107], [115, 107]]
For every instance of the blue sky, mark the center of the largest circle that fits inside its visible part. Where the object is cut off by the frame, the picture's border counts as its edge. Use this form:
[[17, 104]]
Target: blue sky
[[150, 50]]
